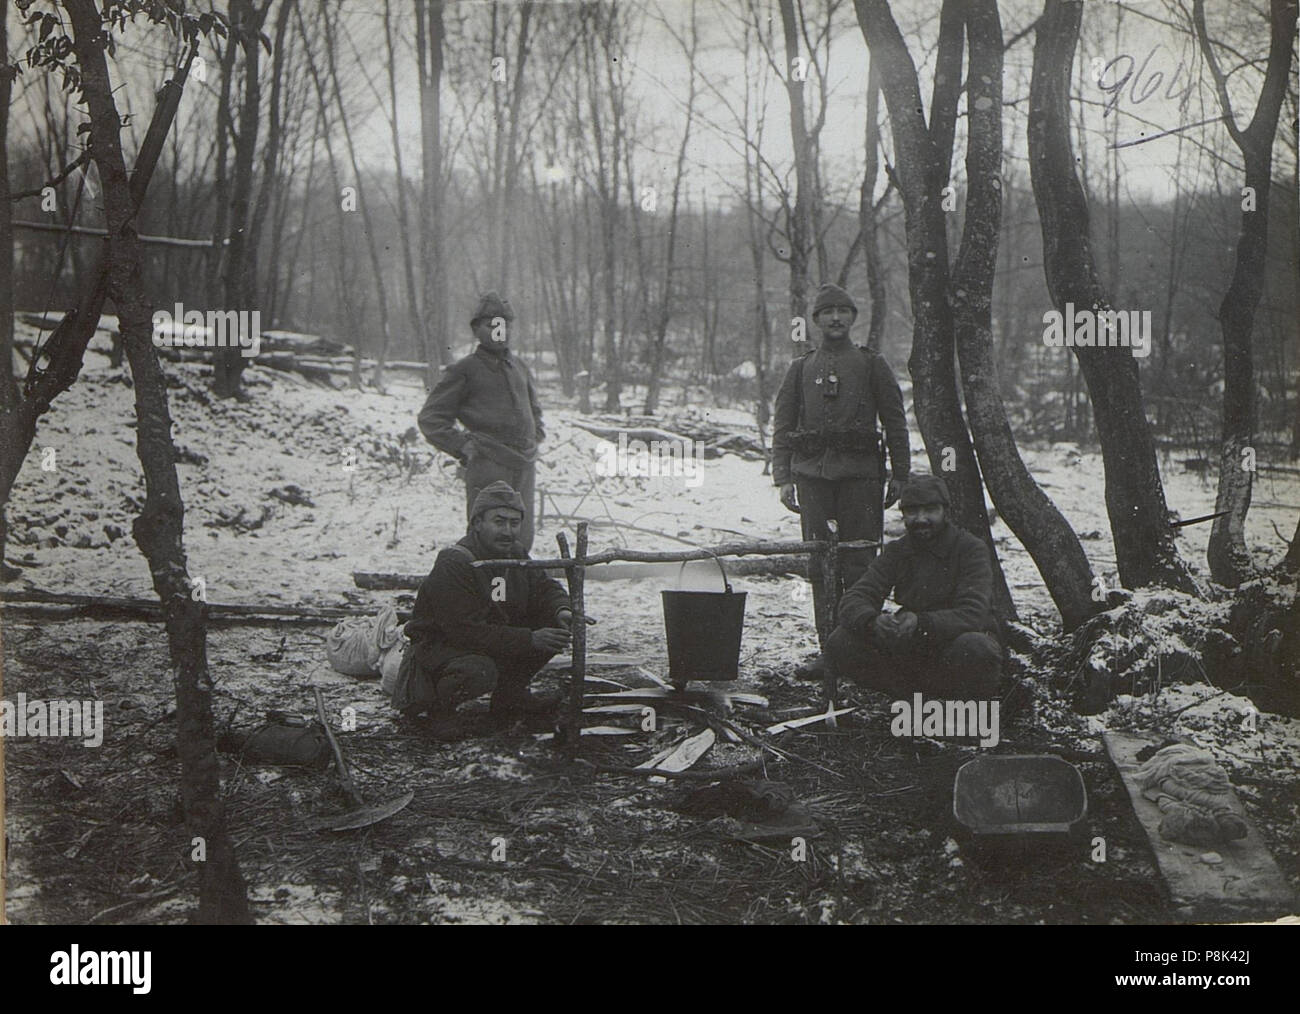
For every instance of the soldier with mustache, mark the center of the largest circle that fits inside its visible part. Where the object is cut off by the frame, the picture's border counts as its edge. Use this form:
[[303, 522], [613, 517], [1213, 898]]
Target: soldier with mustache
[[943, 640], [827, 456]]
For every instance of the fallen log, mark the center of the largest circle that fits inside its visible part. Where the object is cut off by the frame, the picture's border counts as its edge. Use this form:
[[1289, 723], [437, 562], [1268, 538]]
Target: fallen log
[[287, 363], [645, 433], [117, 607]]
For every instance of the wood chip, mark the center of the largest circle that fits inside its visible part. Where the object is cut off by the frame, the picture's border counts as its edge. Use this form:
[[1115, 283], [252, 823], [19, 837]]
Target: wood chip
[[799, 723], [682, 756]]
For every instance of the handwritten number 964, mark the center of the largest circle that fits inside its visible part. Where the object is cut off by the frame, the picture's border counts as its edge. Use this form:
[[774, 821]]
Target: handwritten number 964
[[1113, 76]]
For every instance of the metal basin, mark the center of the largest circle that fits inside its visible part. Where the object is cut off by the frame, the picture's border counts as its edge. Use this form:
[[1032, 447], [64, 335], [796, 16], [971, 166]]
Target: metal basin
[[1040, 796]]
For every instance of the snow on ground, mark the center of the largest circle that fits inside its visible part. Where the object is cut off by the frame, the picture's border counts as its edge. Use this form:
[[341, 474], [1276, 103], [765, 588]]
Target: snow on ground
[[275, 513], [290, 493]]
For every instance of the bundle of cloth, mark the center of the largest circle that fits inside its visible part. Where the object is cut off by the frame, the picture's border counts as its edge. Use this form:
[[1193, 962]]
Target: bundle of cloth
[[1193, 794], [367, 646]]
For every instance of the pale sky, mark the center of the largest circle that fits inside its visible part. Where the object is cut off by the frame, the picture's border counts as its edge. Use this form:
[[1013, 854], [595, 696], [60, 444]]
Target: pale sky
[[1167, 89]]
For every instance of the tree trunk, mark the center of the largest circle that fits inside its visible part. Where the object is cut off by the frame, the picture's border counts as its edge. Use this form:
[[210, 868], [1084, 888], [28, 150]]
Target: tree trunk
[[228, 363], [866, 240], [159, 528], [1135, 500], [800, 226], [1026, 509], [403, 214], [1229, 560], [509, 175], [343, 275], [923, 155], [429, 41], [381, 290], [221, 182], [670, 257], [270, 160], [8, 390]]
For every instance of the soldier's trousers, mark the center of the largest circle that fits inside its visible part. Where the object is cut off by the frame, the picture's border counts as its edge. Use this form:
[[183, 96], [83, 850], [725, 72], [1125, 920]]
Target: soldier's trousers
[[483, 471], [967, 668], [441, 687], [855, 505]]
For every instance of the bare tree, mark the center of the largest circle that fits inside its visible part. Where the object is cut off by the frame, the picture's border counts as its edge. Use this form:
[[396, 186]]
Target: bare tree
[[1020, 501], [804, 194], [923, 154], [1135, 500], [1229, 560], [8, 391], [159, 528], [429, 37], [246, 27], [666, 294], [343, 274], [270, 153], [867, 239], [363, 202]]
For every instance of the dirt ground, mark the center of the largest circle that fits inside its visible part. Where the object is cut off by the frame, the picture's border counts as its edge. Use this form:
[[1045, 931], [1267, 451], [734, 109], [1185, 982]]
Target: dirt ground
[[96, 834], [501, 829]]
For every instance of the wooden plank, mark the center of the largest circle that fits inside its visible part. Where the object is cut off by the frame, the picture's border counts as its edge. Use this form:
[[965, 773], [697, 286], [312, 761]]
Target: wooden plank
[[1246, 885], [596, 658], [682, 756]]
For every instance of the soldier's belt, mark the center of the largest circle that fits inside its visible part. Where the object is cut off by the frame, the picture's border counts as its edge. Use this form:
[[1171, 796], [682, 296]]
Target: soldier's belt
[[850, 441]]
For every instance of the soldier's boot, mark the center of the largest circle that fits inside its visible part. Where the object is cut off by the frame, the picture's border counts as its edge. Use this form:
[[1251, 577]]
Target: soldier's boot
[[514, 702], [462, 680]]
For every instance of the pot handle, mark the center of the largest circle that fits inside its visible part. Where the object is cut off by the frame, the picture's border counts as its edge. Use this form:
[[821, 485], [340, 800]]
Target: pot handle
[[716, 559]]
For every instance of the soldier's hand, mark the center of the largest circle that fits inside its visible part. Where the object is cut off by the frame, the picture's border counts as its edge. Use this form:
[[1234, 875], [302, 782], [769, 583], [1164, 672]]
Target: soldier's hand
[[467, 451], [565, 619], [893, 491], [552, 639], [905, 625], [788, 499], [884, 628]]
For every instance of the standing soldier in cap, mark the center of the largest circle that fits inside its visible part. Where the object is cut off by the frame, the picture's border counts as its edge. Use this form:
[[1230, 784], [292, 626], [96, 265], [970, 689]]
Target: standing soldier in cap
[[943, 640], [478, 630], [826, 449], [491, 394]]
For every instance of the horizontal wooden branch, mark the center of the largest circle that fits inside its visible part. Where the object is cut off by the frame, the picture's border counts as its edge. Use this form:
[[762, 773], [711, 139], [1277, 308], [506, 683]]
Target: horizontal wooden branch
[[81, 230], [678, 555], [765, 566]]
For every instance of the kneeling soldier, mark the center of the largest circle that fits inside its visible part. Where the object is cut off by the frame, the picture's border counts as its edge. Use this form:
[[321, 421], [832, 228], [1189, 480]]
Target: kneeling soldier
[[943, 641], [476, 630]]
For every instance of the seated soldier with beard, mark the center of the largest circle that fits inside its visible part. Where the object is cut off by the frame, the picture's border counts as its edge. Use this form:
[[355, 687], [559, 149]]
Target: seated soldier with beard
[[943, 640], [476, 630]]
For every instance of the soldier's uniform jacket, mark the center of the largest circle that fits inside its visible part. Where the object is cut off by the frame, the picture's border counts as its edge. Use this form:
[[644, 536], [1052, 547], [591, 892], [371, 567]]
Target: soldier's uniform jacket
[[825, 420], [455, 612], [947, 583], [492, 395]]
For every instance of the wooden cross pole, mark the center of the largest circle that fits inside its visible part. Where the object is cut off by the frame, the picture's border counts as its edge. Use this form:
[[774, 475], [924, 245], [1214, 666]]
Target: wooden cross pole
[[571, 723], [831, 604], [831, 577]]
